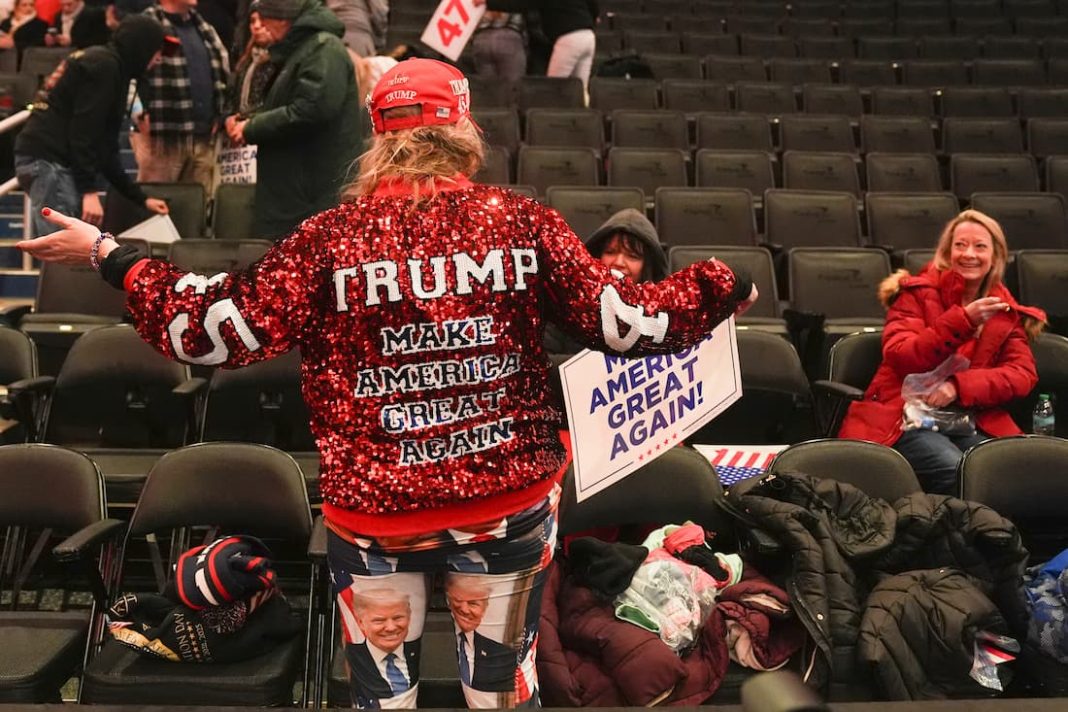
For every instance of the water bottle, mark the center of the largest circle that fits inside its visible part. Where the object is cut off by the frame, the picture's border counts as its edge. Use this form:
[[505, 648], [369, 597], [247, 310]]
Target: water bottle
[[1042, 420]]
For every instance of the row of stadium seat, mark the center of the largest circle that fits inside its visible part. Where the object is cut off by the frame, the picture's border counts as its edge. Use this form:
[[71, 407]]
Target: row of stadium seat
[[666, 128], [653, 168]]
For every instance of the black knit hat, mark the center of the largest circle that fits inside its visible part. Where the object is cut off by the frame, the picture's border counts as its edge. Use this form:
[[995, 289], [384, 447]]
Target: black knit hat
[[278, 9], [605, 567], [137, 39], [225, 570]]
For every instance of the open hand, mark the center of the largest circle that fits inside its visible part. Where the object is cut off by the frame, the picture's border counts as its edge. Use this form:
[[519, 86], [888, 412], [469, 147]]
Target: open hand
[[70, 245]]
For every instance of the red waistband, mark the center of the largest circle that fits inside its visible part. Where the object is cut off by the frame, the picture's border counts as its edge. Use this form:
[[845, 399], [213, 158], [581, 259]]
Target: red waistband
[[454, 516]]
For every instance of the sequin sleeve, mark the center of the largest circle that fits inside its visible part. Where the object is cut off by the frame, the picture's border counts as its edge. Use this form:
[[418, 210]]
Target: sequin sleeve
[[232, 320], [606, 311]]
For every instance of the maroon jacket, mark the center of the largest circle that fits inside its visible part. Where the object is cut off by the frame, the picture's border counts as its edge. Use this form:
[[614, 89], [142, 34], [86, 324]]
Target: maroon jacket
[[589, 658], [924, 326], [765, 613]]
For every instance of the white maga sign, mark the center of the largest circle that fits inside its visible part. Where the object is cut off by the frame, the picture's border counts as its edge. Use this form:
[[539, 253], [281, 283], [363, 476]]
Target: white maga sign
[[626, 412], [237, 164], [451, 27]]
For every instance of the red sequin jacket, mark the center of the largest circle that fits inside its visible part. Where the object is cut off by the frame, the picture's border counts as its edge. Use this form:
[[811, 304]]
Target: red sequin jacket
[[420, 333]]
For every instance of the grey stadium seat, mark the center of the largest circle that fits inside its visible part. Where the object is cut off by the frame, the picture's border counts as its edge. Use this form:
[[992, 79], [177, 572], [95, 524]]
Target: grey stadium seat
[[705, 216]]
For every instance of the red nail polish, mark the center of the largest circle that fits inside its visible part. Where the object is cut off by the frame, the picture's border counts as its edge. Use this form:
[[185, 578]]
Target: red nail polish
[[46, 212]]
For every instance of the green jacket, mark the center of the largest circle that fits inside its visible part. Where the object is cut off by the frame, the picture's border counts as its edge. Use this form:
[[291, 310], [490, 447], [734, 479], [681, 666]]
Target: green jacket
[[307, 131]]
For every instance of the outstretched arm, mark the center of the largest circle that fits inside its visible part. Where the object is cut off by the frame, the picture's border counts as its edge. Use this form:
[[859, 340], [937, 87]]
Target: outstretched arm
[[226, 320], [614, 313]]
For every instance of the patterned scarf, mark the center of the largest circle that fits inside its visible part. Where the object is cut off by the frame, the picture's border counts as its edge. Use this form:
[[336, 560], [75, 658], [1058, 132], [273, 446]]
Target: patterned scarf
[[165, 92]]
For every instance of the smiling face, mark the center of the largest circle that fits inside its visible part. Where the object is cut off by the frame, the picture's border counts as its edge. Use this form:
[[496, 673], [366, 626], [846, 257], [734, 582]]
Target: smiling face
[[385, 624], [623, 253], [971, 252], [468, 605]]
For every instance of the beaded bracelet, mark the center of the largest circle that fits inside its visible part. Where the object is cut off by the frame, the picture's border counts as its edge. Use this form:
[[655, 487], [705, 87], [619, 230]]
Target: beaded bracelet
[[94, 252]]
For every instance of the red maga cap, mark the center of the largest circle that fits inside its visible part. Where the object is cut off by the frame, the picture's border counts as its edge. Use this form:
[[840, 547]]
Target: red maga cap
[[439, 89]]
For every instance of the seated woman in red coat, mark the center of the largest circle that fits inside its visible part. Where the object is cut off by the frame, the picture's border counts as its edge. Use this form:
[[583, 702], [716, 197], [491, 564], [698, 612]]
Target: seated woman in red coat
[[956, 305]]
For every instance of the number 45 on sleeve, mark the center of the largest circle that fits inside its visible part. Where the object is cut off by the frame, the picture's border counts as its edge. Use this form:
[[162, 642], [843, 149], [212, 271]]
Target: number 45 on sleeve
[[451, 26]]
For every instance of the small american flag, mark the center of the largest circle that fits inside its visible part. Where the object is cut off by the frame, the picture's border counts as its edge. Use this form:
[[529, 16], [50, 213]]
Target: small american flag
[[735, 463]]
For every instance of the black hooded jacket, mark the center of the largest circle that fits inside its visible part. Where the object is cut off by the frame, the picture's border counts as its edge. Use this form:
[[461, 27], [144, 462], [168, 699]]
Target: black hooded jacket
[[78, 114], [890, 592]]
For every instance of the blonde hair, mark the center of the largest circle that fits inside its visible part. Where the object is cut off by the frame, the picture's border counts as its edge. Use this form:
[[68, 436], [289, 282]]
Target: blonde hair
[[421, 156], [1032, 326], [997, 237]]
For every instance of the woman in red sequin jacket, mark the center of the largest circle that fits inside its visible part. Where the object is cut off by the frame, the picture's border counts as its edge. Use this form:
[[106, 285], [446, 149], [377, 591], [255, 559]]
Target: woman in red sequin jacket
[[418, 308]]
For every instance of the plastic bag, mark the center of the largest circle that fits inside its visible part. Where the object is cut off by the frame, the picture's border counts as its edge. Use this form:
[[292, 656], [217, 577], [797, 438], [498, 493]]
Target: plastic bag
[[918, 415], [991, 650]]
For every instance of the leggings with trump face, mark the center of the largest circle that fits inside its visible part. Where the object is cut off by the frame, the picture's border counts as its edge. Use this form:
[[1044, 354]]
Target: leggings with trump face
[[492, 574]]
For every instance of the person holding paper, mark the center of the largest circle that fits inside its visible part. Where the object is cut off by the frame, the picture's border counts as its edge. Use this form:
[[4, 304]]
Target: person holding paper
[[307, 129], [73, 132], [418, 305], [957, 305]]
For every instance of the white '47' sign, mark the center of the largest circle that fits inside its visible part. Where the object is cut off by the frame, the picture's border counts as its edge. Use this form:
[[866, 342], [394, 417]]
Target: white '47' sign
[[451, 26]]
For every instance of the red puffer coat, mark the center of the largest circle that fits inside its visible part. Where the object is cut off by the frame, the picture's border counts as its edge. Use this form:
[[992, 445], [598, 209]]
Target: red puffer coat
[[925, 325]]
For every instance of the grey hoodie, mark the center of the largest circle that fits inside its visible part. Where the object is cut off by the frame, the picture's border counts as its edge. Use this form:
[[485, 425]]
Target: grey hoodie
[[633, 222]]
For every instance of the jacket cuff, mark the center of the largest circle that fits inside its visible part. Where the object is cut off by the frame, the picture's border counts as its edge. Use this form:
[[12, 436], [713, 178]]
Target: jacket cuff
[[118, 262], [743, 286]]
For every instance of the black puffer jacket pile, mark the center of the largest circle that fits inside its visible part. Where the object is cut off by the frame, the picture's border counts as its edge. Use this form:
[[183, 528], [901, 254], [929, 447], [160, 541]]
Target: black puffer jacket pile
[[890, 593]]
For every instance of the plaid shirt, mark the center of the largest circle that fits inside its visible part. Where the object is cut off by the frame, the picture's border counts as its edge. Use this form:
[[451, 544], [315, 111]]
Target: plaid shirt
[[165, 92]]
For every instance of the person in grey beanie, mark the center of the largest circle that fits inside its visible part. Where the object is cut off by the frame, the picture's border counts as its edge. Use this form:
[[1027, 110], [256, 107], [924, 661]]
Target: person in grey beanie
[[628, 243]]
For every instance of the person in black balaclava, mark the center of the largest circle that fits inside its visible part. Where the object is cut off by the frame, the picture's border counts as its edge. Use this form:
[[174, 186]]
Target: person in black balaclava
[[73, 131]]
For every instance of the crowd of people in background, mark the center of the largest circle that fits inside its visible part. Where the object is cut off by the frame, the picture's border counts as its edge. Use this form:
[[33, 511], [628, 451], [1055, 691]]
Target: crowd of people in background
[[285, 76]]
